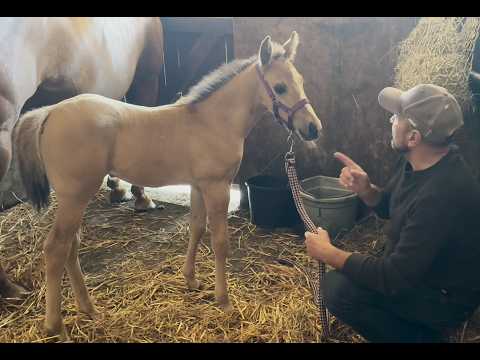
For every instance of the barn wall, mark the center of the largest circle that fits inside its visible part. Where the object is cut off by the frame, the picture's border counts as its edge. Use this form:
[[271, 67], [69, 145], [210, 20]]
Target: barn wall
[[345, 63]]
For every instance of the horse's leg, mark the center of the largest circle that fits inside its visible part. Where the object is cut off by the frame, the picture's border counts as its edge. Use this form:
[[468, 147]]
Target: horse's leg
[[57, 249], [117, 194], [143, 202], [8, 289], [8, 115], [198, 218], [217, 197], [84, 303]]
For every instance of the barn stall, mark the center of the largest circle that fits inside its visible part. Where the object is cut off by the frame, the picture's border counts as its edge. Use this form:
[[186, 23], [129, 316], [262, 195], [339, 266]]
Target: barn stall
[[132, 261]]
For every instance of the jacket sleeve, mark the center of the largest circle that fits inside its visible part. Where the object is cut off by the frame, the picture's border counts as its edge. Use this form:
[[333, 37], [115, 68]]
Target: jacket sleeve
[[423, 235], [382, 209]]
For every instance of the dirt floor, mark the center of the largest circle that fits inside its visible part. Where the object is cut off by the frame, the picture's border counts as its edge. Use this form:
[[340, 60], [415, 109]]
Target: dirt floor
[[132, 264]]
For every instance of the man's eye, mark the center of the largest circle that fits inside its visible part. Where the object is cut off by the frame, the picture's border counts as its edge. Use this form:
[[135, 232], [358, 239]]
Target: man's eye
[[280, 89]]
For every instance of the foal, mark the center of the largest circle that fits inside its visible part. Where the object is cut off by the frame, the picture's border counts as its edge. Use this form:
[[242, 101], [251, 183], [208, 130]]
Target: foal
[[198, 141]]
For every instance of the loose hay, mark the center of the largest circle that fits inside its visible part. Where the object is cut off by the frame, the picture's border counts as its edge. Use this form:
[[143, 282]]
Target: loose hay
[[439, 51], [132, 264]]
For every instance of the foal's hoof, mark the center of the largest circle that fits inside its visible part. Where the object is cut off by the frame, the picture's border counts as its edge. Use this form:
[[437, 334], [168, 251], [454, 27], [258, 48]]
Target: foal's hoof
[[58, 333], [92, 313], [224, 303], [194, 285], [147, 206], [226, 307], [11, 291]]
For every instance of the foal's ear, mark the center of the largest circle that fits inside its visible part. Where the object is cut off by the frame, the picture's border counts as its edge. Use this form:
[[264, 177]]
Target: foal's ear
[[290, 46], [265, 53]]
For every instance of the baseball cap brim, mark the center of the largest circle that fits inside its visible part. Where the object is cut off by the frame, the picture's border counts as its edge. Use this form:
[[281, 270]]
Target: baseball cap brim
[[390, 99]]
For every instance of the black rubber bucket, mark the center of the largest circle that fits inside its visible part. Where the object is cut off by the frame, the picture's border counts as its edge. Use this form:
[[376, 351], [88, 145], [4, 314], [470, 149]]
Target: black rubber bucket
[[271, 202]]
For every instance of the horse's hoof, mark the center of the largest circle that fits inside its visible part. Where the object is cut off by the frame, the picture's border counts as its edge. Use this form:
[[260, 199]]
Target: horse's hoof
[[150, 206], [120, 196], [13, 292]]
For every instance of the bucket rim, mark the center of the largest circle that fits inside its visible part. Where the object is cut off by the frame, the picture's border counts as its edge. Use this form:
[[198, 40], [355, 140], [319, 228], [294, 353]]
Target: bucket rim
[[350, 196], [285, 186]]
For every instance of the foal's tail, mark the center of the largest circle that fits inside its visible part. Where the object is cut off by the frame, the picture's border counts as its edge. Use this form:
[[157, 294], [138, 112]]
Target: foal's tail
[[27, 144]]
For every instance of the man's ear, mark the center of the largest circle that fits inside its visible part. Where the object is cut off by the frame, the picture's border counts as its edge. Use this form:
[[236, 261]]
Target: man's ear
[[415, 137]]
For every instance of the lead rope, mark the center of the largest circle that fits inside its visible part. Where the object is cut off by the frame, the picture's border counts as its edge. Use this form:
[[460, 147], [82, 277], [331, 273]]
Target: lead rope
[[317, 289]]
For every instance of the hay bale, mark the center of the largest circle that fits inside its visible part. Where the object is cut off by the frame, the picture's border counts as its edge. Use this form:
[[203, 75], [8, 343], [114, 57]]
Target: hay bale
[[439, 51]]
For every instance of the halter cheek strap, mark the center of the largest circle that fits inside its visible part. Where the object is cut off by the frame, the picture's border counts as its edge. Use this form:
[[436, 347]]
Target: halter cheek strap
[[277, 105]]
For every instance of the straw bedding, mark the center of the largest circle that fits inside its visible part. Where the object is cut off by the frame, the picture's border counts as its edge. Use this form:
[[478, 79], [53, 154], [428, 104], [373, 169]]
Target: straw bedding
[[132, 265]]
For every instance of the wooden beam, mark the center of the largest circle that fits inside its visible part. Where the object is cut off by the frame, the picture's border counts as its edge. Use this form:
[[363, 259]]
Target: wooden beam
[[197, 57], [218, 25]]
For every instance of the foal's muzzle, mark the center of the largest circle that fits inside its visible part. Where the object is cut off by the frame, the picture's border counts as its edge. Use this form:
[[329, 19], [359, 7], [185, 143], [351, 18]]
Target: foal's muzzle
[[309, 134]]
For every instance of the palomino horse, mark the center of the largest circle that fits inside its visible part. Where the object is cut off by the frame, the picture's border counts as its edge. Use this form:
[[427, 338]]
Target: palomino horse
[[57, 58], [198, 141]]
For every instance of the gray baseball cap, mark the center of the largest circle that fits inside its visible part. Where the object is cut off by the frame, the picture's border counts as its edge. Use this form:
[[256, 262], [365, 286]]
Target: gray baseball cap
[[430, 108]]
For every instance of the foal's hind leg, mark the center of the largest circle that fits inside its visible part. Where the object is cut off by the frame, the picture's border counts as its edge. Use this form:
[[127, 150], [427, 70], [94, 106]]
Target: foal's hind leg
[[84, 303], [57, 249], [217, 197], [198, 219], [117, 194]]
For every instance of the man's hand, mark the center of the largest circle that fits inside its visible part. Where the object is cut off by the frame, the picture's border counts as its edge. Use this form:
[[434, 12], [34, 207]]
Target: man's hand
[[317, 244], [353, 177], [320, 248]]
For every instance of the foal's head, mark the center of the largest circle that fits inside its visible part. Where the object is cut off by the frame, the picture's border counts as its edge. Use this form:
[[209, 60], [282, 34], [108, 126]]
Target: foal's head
[[275, 65]]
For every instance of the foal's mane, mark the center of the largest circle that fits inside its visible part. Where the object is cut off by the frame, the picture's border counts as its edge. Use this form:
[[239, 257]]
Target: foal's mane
[[222, 75]]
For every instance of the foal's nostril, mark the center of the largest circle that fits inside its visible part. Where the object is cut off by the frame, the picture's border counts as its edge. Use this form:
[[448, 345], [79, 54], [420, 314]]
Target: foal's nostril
[[312, 131]]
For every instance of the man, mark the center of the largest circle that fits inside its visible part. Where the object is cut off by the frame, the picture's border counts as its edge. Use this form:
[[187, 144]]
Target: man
[[428, 278]]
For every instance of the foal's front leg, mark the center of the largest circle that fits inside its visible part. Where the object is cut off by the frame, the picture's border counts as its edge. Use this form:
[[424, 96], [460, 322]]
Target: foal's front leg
[[217, 198]]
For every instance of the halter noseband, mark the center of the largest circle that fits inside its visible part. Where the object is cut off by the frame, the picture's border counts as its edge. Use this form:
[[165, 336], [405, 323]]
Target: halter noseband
[[277, 105]]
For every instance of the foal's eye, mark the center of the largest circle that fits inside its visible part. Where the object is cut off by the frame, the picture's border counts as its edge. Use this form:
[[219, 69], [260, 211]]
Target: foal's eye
[[280, 89]]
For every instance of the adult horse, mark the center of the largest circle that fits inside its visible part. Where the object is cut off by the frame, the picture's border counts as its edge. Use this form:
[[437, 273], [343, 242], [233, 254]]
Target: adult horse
[[198, 140], [57, 58]]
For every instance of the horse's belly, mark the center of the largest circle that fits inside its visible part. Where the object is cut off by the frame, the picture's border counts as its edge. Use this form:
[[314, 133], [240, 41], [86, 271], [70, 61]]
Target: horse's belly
[[102, 58], [153, 177]]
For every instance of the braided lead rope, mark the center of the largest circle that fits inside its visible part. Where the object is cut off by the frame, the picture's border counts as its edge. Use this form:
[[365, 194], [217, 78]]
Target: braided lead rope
[[320, 273]]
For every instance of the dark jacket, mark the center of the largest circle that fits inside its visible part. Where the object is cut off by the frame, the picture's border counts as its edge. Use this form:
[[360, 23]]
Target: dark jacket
[[433, 233]]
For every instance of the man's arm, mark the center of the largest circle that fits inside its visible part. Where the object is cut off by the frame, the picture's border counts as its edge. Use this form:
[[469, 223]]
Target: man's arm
[[372, 196], [421, 238], [320, 248]]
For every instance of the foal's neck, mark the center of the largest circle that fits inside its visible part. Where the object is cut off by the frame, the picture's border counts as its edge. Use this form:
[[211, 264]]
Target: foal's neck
[[234, 105]]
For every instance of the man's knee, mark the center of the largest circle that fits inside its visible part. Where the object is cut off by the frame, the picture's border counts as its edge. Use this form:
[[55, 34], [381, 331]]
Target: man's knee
[[341, 295]]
